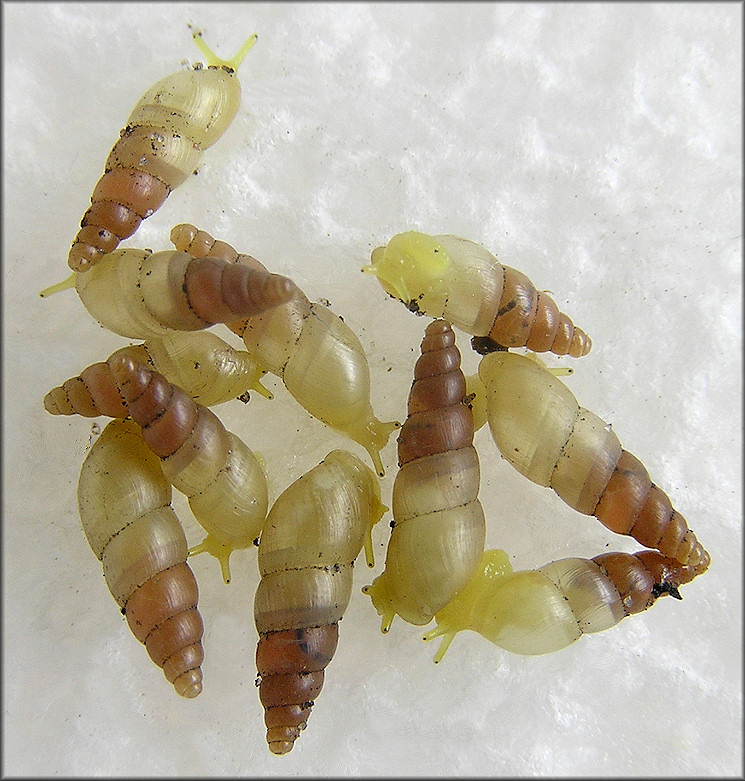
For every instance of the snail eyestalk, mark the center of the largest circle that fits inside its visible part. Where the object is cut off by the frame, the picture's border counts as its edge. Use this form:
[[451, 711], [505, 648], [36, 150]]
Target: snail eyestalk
[[66, 284], [212, 59]]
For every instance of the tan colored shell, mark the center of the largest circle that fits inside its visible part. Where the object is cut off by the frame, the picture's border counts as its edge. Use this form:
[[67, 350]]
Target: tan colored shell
[[457, 279], [140, 294], [204, 365], [313, 534], [160, 147], [541, 611], [314, 352], [439, 528], [221, 477], [543, 432], [127, 518]]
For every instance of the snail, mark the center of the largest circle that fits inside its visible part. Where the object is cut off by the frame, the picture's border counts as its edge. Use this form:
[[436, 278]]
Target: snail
[[313, 534], [125, 510], [542, 431], [222, 478], [438, 531], [205, 366], [140, 294], [541, 611], [460, 281], [164, 139], [311, 349]]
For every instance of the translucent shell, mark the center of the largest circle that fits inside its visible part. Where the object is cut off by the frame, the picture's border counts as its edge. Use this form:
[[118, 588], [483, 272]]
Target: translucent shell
[[314, 352], [139, 294], [221, 477], [160, 147], [453, 278], [542, 431], [205, 366], [127, 518], [313, 534], [541, 611], [439, 528]]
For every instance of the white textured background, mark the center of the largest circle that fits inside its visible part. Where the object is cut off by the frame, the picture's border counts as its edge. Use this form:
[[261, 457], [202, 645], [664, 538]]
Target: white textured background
[[596, 148]]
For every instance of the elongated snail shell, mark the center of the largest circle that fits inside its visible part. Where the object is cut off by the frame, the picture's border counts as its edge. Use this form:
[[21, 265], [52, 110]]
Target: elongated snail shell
[[439, 528], [454, 278], [139, 294], [313, 534], [311, 349], [542, 431], [127, 518], [221, 477], [541, 611], [160, 147], [201, 363]]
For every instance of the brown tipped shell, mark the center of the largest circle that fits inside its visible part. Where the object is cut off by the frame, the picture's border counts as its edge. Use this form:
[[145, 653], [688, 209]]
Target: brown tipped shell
[[139, 294], [221, 477], [291, 664], [161, 146], [439, 528], [125, 511], [542, 431]]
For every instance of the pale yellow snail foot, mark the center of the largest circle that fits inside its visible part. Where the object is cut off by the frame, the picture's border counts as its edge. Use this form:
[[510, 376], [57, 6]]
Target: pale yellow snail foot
[[220, 550]]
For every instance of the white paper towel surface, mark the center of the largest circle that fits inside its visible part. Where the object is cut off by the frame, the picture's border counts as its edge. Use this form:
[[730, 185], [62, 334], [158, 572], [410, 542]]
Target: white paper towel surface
[[597, 148]]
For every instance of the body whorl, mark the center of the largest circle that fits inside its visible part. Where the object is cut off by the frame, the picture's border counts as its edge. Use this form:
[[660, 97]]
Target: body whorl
[[438, 529], [125, 510], [314, 352], [160, 147], [542, 431], [221, 477], [540, 611], [313, 534]]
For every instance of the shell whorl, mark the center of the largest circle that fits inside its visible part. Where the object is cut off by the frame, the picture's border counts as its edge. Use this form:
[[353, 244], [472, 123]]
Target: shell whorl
[[438, 421], [139, 294], [160, 147], [438, 531], [127, 518], [540, 611], [315, 353], [223, 480]]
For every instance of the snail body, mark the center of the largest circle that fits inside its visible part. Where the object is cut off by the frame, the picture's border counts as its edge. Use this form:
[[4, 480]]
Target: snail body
[[140, 294], [460, 281], [540, 611], [160, 147], [311, 349], [127, 518], [313, 534], [439, 529], [201, 363], [542, 431], [221, 477]]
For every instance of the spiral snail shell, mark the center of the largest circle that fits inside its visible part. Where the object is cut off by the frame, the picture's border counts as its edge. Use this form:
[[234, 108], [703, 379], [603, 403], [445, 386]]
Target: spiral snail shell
[[311, 349], [313, 534], [201, 363], [542, 431], [164, 139], [438, 529], [454, 278], [221, 477], [541, 611], [125, 510]]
